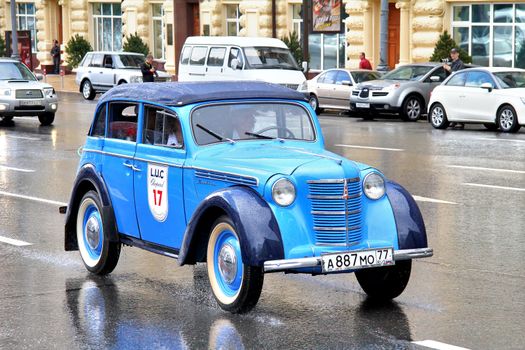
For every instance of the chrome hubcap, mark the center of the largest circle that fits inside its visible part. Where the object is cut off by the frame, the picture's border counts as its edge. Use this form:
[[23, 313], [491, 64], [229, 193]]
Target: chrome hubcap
[[506, 119], [313, 103], [437, 116], [227, 263], [413, 109], [92, 232], [86, 90]]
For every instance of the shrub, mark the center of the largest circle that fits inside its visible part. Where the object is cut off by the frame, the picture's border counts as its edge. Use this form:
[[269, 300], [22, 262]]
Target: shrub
[[442, 49], [293, 43], [520, 57], [134, 43], [2, 47], [76, 49]]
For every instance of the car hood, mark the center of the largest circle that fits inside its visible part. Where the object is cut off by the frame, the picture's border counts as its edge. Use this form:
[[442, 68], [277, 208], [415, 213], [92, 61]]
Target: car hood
[[381, 84], [23, 84]]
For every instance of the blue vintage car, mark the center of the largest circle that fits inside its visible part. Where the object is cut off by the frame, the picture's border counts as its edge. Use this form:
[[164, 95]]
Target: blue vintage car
[[235, 174]]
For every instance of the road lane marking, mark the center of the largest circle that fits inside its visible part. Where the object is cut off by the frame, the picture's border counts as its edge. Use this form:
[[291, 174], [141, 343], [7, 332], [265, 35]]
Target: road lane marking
[[36, 199], [487, 169], [494, 139], [370, 147], [438, 345], [432, 200], [496, 187], [24, 138], [5, 167], [13, 241]]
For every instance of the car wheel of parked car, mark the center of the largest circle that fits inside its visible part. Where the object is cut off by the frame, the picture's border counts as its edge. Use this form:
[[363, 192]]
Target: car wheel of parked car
[[46, 119], [385, 283], [491, 126], [438, 117], [100, 256], [507, 119], [314, 102], [412, 108], [235, 285], [87, 90], [6, 119]]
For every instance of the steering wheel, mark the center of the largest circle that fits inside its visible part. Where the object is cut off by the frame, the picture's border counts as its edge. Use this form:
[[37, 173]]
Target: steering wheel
[[289, 133]]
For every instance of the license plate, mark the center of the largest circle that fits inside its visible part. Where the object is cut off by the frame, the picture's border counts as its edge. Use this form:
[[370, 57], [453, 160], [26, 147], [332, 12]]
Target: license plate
[[357, 259], [30, 103], [362, 105]]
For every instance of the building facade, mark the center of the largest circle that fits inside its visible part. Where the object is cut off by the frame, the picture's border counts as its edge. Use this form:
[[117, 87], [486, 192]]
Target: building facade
[[492, 31]]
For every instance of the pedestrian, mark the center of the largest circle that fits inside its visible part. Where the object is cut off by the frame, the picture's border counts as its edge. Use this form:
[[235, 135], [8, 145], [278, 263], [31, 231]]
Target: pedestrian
[[148, 71], [454, 66], [364, 63], [55, 53]]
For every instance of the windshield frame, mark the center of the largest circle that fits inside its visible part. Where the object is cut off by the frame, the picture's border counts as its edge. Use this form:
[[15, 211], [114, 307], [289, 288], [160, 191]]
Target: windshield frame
[[119, 64], [29, 76], [270, 49], [412, 67]]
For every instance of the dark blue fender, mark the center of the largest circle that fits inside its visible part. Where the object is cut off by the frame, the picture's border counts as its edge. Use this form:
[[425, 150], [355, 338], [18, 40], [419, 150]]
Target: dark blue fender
[[256, 226], [411, 232], [87, 179]]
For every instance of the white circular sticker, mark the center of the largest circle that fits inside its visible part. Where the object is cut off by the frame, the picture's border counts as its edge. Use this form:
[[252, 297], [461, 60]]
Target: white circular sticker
[[158, 191]]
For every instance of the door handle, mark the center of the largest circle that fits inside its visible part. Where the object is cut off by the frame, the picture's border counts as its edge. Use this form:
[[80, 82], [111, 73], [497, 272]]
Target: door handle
[[128, 165], [135, 168]]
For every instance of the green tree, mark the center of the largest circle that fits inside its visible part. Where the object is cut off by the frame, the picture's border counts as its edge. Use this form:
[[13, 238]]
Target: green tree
[[443, 46], [2, 47], [76, 49], [134, 43], [520, 57], [293, 43]]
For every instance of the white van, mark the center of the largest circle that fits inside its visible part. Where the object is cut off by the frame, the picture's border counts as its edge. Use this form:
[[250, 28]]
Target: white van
[[239, 58]]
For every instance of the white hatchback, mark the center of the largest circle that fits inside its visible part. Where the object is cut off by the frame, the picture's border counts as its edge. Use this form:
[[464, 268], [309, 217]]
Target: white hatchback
[[494, 97]]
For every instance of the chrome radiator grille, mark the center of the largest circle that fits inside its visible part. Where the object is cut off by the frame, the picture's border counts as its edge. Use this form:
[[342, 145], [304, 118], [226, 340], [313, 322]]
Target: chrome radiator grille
[[28, 93], [336, 211]]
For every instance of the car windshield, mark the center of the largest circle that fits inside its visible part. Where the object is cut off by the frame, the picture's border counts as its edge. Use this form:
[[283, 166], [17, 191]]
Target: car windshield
[[269, 58], [15, 71], [129, 61], [360, 77], [407, 73], [511, 80], [251, 121]]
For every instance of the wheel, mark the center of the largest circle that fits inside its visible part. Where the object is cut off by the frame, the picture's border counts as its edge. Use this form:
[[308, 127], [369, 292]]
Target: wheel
[[491, 126], [100, 256], [412, 108], [438, 117], [507, 119], [87, 90], [385, 283], [314, 102], [122, 82], [235, 285], [46, 118], [7, 119]]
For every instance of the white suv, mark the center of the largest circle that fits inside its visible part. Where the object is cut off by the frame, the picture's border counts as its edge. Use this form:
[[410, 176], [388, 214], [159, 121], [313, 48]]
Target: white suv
[[100, 71]]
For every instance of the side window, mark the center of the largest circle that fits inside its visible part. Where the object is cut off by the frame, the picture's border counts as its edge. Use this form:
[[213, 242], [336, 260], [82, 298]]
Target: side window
[[123, 118], [97, 60], [476, 79], [321, 78], [330, 77], [99, 126], [342, 76], [457, 80], [185, 56], [198, 55], [108, 61], [235, 53], [439, 72], [216, 56], [162, 128], [87, 60]]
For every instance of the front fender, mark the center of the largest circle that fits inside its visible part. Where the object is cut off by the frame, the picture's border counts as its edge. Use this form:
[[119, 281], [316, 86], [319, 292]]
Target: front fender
[[258, 231], [411, 232]]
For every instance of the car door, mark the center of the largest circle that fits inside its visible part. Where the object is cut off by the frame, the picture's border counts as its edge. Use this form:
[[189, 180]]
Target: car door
[[159, 162], [235, 53], [107, 72], [117, 166], [95, 69], [215, 62], [325, 88], [449, 95], [477, 103], [430, 84], [342, 90]]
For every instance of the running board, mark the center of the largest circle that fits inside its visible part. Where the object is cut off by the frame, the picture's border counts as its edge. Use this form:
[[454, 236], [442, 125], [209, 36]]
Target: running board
[[149, 246]]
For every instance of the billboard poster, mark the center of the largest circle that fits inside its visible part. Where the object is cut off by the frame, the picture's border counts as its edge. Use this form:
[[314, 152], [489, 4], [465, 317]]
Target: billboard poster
[[24, 47], [327, 16]]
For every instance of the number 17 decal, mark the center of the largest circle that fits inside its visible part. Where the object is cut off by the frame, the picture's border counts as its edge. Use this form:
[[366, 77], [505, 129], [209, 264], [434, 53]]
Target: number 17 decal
[[157, 194], [157, 191]]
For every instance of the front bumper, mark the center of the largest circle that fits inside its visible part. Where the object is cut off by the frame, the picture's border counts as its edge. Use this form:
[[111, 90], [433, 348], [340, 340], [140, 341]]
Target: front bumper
[[292, 264], [14, 107]]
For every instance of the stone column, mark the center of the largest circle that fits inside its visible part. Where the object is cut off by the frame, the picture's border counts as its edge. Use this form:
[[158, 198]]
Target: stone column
[[368, 31], [427, 25], [135, 19], [43, 32], [359, 30], [404, 34], [256, 18], [211, 15], [78, 16], [3, 26]]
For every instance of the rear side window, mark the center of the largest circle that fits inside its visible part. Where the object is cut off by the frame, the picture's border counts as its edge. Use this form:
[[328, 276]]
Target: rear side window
[[185, 57], [342, 76], [198, 55], [330, 77], [123, 118], [99, 127], [87, 60], [97, 60], [216, 56]]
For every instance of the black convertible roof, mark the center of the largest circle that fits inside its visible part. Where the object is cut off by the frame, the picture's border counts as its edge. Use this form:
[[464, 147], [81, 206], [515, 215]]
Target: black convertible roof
[[183, 93]]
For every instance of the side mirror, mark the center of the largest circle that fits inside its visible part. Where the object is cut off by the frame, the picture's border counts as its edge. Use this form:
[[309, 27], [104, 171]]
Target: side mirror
[[108, 65], [304, 65], [435, 79], [346, 82], [487, 86], [235, 64], [39, 76]]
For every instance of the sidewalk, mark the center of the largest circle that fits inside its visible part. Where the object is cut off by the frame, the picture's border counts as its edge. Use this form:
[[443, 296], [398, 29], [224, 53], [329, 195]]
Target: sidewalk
[[62, 84]]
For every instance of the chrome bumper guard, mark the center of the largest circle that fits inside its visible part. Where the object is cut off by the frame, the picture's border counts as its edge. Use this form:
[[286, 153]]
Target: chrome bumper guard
[[290, 264]]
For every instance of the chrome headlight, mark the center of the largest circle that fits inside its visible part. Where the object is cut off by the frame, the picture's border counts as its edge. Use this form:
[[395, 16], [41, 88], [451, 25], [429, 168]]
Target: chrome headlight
[[5, 92], [283, 192], [135, 79], [374, 186], [48, 91], [303, 86]]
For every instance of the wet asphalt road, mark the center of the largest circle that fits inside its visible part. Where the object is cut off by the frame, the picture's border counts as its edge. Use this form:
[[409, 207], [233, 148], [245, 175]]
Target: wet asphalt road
[[470, 294]]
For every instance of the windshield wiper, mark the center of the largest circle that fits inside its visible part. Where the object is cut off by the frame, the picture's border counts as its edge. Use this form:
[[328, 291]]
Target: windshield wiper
[[217, 136], [259, 136]]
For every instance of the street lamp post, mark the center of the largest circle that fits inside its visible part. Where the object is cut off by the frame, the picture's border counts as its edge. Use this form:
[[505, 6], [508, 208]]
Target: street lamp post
[[383, 34], [14, 32]]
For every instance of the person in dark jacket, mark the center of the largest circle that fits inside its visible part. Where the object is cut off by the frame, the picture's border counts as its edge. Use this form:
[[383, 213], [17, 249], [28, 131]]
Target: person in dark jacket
[[148, 71], [454, 66], [55, 53]]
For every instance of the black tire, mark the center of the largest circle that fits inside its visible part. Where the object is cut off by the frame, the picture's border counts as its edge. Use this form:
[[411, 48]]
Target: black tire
[[87, 90], [122, 82], [314, 102], [491, 126], [235, 285], [6, 119], [46, 119], [412, 108], [438, 116], [385, 283], [99, 254], [507, 119]]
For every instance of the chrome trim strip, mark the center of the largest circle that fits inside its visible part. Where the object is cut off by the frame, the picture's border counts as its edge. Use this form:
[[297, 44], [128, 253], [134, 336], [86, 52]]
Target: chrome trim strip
[[159, 162], [288, 264], [334, 181], [336, 197], [351, 212], [107, 153], [339, 228], [225, 172], [129, 157]]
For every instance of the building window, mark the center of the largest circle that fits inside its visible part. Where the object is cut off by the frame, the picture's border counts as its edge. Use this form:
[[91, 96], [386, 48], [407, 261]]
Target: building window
[[297, 20], [158, 30], [233, 25], [107, 26], [327, 50], [492, 34], [25, 15]]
